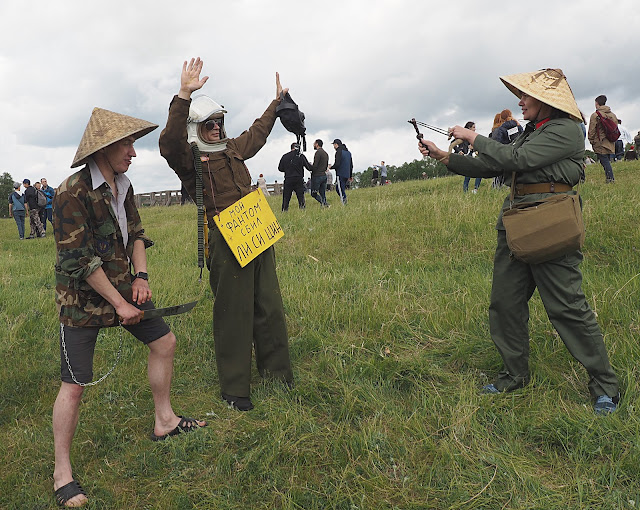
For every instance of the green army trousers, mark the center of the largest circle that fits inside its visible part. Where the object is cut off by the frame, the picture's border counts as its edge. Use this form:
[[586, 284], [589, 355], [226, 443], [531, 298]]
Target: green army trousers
[[247, 312], [559, 283]]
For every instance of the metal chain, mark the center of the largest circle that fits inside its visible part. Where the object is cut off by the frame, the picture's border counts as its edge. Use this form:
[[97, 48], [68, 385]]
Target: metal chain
[[66, 357]]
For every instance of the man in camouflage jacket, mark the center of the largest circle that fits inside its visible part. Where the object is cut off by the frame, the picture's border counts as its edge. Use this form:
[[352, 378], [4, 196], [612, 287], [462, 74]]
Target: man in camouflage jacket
[[98, 237]]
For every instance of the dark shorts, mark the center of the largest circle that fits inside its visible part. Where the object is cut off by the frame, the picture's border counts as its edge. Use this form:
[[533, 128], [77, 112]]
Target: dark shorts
[[81, 343]]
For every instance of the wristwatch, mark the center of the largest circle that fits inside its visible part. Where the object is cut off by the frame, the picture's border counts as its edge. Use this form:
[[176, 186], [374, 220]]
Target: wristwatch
[[141, 275]]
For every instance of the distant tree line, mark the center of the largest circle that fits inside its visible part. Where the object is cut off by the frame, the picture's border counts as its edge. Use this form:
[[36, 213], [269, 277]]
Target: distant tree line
[[405, 172], [6, 188]]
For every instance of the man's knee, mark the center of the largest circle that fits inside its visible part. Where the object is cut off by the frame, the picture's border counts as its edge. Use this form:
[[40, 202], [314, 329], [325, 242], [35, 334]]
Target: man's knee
[[165, 345], [71, 392]]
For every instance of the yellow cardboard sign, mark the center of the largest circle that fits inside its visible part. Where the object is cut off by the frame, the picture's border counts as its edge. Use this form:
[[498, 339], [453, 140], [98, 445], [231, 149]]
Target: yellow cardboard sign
[[249, 226]]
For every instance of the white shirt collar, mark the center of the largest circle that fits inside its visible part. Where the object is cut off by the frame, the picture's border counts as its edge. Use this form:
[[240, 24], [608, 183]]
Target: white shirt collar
[[122, 181]]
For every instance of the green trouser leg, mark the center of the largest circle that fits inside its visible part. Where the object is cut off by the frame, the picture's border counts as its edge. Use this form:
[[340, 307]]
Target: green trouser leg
[[247, 312], [559, 283]]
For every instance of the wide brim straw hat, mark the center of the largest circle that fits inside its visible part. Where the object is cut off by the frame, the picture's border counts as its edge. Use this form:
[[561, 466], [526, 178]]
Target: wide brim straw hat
[[547, 85], [106, 127]]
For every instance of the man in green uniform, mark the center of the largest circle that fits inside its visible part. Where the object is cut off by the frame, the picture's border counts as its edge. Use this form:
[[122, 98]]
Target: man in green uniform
[[248, 309], [547, 158]]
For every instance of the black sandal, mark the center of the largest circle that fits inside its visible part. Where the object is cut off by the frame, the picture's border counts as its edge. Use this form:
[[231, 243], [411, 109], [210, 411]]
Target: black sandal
[[185, 425], [67, 492]]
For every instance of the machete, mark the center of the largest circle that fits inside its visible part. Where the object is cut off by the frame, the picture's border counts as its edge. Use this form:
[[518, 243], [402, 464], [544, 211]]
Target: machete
[[154, 313], [169, 310]]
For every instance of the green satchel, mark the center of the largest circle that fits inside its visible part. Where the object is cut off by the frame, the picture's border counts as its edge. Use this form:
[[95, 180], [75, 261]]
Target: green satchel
[[545, 229]]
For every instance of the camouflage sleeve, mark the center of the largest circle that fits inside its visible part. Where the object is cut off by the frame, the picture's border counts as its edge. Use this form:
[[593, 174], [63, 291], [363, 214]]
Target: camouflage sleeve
[[76, 256], [134, 223]]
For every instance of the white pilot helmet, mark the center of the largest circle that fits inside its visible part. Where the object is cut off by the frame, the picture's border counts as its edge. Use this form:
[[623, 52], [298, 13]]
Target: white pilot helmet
[[201, 109]]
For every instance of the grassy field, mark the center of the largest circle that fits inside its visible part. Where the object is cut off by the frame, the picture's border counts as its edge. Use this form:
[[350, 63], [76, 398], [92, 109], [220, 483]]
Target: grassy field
[[386, 302]]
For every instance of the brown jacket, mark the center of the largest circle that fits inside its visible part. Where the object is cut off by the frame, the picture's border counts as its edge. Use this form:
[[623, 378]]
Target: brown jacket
[[596, 134], [225, 176]]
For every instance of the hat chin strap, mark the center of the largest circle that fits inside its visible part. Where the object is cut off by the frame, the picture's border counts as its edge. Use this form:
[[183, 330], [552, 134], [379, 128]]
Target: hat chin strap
[[105, 158]]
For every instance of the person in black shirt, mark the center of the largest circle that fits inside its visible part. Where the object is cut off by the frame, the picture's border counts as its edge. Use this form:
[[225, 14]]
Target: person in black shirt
[[292, 164]]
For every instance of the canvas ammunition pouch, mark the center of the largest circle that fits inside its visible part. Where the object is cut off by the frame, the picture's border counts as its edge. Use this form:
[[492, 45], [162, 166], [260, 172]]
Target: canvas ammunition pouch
[[544, 229]]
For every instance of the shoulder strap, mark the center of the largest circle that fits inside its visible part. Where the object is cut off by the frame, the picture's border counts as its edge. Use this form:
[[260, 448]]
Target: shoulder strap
[[200, 204]]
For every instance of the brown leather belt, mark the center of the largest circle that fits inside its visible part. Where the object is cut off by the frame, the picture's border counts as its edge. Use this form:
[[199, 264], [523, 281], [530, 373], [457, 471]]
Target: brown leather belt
[[543, 187]]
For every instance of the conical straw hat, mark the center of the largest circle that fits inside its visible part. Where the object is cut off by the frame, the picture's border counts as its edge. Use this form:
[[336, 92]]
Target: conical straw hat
[[105, 128], [547, 85]]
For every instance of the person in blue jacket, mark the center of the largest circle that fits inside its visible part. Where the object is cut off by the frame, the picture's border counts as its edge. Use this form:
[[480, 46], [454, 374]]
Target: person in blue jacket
[[343, 166], [16, 208], [48, 209]]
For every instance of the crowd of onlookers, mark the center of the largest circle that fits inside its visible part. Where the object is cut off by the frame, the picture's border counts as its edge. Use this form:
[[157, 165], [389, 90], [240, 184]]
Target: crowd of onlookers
[[35, 203]]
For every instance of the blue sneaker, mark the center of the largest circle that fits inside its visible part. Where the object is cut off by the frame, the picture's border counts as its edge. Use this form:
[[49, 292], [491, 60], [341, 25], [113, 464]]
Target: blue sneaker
[[489, 389], [604, 405]]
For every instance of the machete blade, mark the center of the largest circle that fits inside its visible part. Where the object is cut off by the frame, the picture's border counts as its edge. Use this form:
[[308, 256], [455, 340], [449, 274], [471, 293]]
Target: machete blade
[[169, 310]]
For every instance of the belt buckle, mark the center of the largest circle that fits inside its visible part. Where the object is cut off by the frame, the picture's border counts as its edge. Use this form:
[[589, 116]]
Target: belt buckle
[[552, 188]]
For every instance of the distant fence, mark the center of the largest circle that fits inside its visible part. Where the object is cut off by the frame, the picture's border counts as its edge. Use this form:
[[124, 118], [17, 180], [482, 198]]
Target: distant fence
[[174, 197]]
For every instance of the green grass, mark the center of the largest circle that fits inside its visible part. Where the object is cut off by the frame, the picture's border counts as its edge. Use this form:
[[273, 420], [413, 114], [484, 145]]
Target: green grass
[[386, 302]]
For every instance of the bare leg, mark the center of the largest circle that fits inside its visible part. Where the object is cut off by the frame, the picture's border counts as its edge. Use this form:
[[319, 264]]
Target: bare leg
[[65, 421], [160, 369]]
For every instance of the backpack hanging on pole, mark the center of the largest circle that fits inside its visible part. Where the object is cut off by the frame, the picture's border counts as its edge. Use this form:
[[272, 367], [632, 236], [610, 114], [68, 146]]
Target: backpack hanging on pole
[[292, 118]]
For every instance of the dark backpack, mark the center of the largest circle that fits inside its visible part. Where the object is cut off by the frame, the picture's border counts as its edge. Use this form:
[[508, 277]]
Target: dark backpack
[[611, 131], [41, 198], [292, 118]]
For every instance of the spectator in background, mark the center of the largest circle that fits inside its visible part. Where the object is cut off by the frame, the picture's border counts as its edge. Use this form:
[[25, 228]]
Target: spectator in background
[[292, 164], [343, 165], [459, 146], [631, 154], [508, 130], [48, 210], [603, 147], [41, 209], [31, 203], [636, 142], [184, 195], [319, 173], [329, 177], [262, 184], [622, 141], [496, 125], [383, 172], [17, 209]]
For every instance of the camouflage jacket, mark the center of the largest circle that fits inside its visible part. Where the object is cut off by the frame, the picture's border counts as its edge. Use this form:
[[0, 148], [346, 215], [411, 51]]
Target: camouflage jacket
[[88, 237]]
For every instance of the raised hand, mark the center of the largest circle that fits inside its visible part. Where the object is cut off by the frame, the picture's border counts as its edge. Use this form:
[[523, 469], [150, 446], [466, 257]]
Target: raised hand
[[190, 80], [279, 89]]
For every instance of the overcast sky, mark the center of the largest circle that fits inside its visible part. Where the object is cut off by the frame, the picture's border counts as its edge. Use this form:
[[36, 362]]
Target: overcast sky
[[357, 69]]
